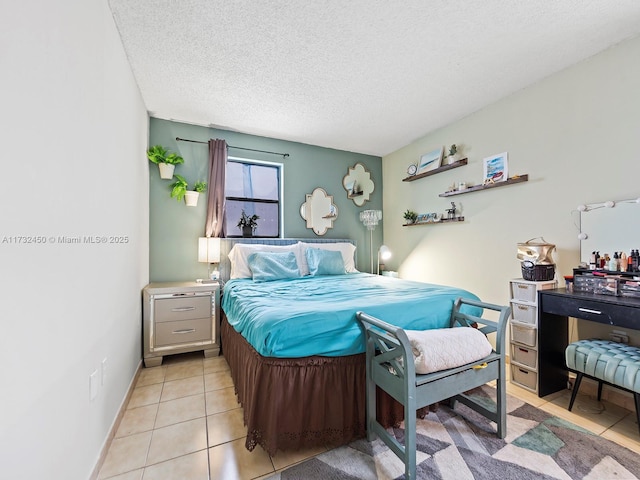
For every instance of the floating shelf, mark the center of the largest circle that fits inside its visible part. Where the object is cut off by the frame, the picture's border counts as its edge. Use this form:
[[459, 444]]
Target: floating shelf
[[441, 169], [509, 181], [442, 220]]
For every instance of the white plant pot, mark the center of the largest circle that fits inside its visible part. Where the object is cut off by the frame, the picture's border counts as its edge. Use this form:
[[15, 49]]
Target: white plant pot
[[191, 198], [453, 158], [166, 170]]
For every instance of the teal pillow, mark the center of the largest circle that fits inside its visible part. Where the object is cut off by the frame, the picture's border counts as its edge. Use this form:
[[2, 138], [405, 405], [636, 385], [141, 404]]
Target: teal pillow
[[325, 262], [268, 266]]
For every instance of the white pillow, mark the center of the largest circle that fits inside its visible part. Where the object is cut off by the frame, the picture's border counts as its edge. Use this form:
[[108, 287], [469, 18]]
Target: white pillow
[[239, 257], [347, 250]]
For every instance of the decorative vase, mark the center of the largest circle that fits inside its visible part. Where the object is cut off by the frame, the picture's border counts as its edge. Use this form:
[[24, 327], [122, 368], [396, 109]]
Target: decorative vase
[[191, 198], [166, 170], [247, 231]]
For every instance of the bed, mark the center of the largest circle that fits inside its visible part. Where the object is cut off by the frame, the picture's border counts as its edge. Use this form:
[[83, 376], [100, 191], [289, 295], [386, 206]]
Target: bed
[[294, 346]]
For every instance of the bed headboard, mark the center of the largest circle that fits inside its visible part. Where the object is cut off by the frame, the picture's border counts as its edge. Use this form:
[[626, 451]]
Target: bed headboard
[[226, 244]]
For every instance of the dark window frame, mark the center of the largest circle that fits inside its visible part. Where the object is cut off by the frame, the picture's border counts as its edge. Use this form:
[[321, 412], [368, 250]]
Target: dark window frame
[[279, 202]]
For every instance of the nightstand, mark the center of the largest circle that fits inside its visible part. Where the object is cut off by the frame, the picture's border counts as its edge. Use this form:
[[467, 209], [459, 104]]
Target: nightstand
[[180, 317]]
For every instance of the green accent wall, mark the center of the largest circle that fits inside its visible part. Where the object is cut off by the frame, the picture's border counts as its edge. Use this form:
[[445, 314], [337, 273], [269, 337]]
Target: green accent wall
[[174, 228]]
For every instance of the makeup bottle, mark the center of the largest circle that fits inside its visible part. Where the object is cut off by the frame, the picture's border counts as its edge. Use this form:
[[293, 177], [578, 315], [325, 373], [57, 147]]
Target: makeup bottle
[[623, 262], [613, 263]]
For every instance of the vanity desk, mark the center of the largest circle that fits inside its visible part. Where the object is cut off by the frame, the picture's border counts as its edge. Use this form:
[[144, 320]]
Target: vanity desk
[[554, 309]]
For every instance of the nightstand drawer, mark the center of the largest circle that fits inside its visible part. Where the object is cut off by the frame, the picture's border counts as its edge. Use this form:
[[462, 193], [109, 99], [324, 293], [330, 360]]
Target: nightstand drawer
[[182, 308], [184, 331]]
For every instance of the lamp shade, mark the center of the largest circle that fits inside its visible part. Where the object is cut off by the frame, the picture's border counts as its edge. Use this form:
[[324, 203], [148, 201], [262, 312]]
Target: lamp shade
[[384, 252], [209, 249], [370, 218]]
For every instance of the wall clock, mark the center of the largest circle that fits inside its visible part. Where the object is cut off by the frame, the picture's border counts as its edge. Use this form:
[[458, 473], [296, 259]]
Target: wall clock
[[412, 169]]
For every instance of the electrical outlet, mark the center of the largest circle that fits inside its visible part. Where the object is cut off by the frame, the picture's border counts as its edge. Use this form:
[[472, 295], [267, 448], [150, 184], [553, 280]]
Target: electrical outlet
[[618, 336], [93, 385], [103, 372]]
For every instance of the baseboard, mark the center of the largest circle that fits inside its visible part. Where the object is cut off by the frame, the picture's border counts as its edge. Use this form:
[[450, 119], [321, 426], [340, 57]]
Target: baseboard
[[115, 425]]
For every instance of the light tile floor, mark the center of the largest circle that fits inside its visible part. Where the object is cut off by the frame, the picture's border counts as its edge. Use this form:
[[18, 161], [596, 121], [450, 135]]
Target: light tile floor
[[183, 422]]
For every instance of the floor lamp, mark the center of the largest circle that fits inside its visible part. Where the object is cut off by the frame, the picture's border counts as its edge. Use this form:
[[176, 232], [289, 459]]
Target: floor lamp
[[370, 219]]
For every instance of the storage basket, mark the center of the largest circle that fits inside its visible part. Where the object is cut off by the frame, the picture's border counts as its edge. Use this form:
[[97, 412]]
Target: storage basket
[[524, 356], [537, 273], [524, 313], [524, 333], [524, 377]]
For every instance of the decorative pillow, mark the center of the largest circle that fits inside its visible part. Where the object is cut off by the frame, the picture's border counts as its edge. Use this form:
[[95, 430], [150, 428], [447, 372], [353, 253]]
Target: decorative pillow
[[268, 266], [239, 254], [347, 250], [444, 348], [324, 262]]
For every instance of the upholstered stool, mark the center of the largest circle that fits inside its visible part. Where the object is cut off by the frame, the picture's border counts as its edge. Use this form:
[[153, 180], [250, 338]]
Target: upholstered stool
[[615, 364]]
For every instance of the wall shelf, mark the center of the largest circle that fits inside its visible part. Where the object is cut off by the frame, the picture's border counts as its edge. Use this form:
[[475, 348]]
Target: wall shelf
[[441, 169], [509, 181], [442, 220]]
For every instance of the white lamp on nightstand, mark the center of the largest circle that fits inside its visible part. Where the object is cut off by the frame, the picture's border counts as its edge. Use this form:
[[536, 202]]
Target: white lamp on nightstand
[[209, 252], [383, 254]]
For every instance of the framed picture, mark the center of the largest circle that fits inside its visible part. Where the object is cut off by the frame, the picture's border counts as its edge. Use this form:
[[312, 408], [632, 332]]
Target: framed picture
[[430, 161], [495, 168], [421, 218]]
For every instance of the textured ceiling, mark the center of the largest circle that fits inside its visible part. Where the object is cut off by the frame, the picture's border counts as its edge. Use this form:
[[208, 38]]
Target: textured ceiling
[[366, 76]]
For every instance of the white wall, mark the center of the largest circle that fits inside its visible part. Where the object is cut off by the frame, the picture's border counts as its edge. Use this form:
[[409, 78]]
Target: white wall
[[74, 132], [575, 134]]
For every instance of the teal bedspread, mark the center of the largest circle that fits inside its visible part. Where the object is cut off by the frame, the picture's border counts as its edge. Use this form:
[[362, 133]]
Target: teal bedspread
[[315, 315]]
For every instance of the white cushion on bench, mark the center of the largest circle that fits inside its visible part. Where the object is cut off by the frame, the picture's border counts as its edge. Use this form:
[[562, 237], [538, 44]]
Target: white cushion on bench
[[444, 348]]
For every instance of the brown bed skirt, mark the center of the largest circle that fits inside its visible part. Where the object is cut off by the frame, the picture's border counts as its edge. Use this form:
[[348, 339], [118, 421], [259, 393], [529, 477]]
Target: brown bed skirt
[[291, 403]]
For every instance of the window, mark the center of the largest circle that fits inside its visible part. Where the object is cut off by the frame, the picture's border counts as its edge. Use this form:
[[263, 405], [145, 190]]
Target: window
[[254, 187]]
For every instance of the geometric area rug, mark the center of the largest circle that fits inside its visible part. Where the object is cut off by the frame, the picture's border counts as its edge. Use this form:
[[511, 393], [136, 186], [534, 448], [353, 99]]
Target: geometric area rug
[[462, 444]]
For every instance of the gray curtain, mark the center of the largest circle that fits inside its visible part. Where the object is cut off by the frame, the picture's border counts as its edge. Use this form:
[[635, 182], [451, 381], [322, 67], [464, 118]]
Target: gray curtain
[[214, 227]]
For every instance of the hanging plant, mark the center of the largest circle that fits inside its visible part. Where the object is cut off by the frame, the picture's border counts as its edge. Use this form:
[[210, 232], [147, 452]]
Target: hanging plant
[[179, 188], [166, 161]]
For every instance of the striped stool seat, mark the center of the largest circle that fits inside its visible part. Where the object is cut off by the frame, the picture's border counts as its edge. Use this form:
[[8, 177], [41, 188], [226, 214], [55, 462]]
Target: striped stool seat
[[616, 364]]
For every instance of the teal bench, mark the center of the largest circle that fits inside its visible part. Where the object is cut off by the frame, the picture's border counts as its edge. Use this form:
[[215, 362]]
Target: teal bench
[[390, 366], [616, 364]]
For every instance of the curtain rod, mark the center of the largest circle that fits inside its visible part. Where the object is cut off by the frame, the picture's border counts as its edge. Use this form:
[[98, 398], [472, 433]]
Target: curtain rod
[[231, 146]]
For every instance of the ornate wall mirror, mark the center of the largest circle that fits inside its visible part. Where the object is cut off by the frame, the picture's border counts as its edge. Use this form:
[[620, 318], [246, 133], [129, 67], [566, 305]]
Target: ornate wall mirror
[[358, 184], [319, 211]]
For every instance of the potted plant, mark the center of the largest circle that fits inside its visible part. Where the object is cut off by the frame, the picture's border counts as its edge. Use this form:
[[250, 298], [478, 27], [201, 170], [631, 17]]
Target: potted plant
[[453, 156], [179, 188], [166, 161], [247, 224], [410, 216], [191, 196]]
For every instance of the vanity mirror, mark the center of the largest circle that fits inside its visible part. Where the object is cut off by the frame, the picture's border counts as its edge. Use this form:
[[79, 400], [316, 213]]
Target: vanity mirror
[[319, 211], [609, 227], [358, 184]]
